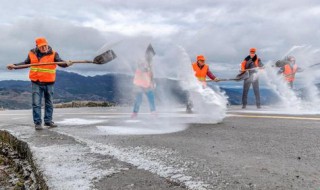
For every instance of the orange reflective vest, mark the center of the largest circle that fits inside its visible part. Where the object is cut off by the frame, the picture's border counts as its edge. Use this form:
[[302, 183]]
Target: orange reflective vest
[[143, 79], [201, 74], [289, 73], [43, 73], [244, 63]]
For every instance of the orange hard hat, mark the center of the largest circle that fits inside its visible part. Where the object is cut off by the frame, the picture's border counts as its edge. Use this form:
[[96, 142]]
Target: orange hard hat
[[253, 50], [41, 42], [200, 58]]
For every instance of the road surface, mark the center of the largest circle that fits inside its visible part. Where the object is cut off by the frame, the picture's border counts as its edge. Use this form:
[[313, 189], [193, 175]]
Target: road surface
[[103, 148]]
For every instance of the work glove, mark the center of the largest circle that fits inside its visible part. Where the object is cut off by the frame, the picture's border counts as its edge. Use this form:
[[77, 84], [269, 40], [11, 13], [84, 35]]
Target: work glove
[[69, 63], [216, 79], [241, 73], [10, 66]]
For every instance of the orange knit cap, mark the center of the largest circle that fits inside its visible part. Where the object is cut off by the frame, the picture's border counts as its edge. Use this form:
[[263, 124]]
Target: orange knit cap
[[253, 50], [41, 42], [200, 58]]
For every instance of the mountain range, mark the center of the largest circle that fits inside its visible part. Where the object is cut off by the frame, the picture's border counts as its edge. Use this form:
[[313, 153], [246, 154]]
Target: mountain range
[[113, 88]]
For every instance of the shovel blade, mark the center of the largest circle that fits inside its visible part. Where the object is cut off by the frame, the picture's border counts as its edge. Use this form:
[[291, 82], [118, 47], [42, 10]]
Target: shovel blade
[[314, 65], [242, 76], [280, 63], [150, 51], [105, 57]]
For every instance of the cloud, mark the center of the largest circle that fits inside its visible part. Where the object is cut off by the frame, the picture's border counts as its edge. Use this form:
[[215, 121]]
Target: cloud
[[221, 30]]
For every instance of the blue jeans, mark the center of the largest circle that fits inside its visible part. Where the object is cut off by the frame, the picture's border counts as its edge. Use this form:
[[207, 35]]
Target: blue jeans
[[37, 92], [150, 95]]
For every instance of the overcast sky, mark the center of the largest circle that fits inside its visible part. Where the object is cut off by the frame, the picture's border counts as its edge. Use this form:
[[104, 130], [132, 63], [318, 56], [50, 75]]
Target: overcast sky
[[221, 30]]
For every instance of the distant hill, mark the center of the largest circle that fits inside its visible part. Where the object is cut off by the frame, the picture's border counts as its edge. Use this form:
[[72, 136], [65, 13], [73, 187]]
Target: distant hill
[[235, 96], [113, 88]]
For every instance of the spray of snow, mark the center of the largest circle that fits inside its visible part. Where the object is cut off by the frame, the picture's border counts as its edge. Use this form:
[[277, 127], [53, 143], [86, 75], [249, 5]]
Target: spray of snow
[[209, 103], [172, 63], [288, 99], [304, 98]]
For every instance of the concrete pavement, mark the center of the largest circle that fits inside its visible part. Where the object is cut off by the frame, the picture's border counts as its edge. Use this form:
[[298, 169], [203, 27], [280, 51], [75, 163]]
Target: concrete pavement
[[103, 148]]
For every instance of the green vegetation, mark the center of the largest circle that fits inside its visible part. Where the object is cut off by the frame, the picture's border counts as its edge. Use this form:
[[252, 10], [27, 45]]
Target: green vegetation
[[77, 104]]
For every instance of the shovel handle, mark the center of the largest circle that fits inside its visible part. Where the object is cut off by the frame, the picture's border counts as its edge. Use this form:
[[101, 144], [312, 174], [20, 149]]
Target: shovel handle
[[220, 80], [255, 68], [50, 63]]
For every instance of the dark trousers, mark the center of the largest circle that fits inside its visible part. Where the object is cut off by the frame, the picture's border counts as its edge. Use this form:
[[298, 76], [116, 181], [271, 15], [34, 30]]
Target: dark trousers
[[246, 86]]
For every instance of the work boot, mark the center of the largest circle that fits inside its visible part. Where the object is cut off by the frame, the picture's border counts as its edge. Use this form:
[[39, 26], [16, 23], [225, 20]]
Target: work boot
[[154, 114], [134, 115], [38, 127], [189, 106], [51, 125], [244, 106], [189, 110]]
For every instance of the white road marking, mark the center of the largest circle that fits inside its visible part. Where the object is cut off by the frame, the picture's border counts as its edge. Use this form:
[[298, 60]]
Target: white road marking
[[274, 117]]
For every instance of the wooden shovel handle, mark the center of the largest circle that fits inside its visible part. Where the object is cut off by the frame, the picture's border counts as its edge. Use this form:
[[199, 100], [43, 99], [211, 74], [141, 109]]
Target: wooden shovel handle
[[50, 63]]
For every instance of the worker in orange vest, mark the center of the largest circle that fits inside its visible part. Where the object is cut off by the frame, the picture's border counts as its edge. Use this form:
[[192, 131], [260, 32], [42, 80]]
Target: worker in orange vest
[[250, 64], [289, 70], [144, 84], [42, 78], [201, 71]]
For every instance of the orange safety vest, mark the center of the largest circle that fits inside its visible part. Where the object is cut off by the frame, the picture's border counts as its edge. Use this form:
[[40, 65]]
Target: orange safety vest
[[43, 73], [201, 74], [289, 73], [244, 62], [142, 79]]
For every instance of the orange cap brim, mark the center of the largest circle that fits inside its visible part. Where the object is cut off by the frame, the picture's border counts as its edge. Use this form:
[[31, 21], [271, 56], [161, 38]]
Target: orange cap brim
[[42, 44]]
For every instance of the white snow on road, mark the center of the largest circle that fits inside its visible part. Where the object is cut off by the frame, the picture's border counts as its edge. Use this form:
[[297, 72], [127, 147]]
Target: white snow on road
[[68, 167], [140, 130], [79, 121], [132, 121], [163, 162], [114, 116]]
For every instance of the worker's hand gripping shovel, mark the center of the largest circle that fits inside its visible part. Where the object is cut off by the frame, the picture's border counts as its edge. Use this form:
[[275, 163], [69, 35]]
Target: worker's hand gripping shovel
[[99, 60]]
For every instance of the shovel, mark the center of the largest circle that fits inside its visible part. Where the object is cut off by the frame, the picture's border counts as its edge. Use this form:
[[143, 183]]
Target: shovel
[[314, 65], [242, 76], [255, 68], [103, 58], [149, 54]]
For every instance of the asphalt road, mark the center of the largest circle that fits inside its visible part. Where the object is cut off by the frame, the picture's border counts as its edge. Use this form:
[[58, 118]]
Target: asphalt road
[[103, 148]]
